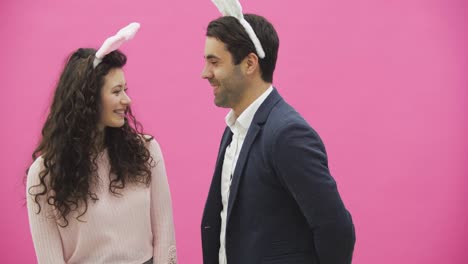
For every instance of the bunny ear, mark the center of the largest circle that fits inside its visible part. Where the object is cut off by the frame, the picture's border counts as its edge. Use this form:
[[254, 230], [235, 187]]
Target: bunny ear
[[220, 6], [114, 42], [229, 8], [233, 8]]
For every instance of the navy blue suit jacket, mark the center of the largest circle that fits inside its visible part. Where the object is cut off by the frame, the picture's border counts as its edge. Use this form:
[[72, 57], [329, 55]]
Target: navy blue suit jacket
[[284, 206]]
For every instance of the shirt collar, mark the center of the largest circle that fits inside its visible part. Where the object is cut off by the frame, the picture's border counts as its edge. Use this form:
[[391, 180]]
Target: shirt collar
[[242, 123]]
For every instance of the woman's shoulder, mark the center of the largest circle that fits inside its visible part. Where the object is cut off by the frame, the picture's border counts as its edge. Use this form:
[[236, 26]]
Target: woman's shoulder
[[37, 164], [33, 172], [152, 144]]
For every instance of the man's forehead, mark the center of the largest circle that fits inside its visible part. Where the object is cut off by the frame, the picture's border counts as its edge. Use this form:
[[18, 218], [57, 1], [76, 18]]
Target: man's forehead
[[215, 48], [215, 43]]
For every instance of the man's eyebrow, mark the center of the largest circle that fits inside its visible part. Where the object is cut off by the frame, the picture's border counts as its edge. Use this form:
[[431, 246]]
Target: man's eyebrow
[[211, 56]]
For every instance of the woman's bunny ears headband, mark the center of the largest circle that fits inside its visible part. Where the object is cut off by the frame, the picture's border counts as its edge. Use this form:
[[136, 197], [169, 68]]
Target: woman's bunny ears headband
[[234, 8], [114, 42]]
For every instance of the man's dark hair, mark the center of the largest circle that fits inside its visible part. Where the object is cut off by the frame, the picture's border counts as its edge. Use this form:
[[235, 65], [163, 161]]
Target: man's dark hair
[[229, 30]]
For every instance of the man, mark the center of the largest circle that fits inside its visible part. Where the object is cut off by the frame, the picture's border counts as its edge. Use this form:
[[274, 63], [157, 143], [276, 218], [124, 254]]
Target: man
[[272, 199]]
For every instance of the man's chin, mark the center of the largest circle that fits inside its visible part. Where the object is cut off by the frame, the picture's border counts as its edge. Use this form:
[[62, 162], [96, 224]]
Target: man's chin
[[220, 104]]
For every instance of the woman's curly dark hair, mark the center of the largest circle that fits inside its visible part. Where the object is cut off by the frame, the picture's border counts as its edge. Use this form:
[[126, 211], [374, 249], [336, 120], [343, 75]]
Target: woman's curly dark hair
[[68, 144]]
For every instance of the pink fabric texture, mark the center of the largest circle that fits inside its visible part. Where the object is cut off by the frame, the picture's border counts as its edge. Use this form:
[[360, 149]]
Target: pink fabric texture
[[130, 228]]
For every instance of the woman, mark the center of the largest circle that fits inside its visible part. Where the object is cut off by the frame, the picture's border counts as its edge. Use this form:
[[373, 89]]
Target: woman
[[97, 189]]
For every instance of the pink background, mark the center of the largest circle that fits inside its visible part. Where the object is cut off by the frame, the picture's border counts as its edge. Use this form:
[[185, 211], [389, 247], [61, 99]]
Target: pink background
[[383, 82]]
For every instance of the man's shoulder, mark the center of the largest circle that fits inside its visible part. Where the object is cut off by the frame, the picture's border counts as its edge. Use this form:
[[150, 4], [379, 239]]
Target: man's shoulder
[[284, 119], [283, 114]]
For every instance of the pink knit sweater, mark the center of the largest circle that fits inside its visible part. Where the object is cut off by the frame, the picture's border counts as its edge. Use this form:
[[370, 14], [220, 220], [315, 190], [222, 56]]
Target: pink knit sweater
[[127, 229]]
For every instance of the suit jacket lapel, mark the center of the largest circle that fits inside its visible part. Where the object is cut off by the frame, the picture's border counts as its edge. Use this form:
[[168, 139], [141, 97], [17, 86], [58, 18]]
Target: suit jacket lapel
[[226, 140], [257, 123], [213, 204], [243, 155]]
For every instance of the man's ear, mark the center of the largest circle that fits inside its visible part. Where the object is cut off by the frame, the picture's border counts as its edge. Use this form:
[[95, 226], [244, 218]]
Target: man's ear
[[251, 63]]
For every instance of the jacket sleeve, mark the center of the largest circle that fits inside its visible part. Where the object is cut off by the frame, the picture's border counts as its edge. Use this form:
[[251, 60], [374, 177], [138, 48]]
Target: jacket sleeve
[[301, 164], [44, 229]]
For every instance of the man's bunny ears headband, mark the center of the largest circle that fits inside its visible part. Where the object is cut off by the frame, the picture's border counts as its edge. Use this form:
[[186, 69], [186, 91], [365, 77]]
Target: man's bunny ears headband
[[114, 42], [234, 8]]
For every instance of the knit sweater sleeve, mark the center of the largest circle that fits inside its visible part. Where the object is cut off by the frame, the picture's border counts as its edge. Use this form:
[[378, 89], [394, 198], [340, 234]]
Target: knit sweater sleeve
[[164, 246], [44, 229]]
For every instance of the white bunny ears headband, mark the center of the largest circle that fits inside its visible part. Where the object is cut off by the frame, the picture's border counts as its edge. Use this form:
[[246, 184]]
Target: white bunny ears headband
[[114, 42], [234, 8], [226, 7]]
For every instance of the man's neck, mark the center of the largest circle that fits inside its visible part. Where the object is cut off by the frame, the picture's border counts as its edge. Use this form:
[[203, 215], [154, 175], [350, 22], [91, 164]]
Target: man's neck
[[252, 93]]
